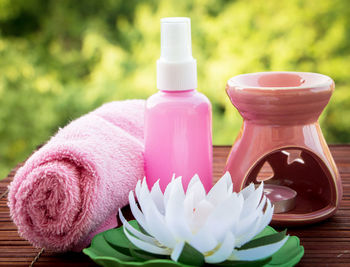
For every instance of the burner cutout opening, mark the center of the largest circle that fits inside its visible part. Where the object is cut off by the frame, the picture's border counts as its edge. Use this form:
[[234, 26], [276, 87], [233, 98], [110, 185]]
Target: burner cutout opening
[[300, 170]]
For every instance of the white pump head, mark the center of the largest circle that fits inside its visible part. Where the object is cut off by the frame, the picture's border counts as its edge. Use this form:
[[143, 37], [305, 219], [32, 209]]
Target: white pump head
[[176, 68], [176, 39]]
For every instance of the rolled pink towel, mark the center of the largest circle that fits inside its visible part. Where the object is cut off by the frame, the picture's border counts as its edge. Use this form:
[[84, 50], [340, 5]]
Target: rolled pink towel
[[72, 187]]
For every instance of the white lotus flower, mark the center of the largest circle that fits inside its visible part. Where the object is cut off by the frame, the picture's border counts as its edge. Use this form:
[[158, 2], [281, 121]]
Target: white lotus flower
[[216, 224]]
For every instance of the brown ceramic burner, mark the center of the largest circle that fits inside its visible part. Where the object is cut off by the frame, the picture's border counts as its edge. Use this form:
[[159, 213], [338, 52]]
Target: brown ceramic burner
[[281, 143]]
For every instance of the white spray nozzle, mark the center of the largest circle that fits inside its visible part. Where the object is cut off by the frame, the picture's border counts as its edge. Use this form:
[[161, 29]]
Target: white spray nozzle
[[176, 39], [176, 68]]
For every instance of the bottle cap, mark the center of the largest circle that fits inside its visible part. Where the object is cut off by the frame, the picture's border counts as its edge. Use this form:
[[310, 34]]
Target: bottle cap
[[176, 68]]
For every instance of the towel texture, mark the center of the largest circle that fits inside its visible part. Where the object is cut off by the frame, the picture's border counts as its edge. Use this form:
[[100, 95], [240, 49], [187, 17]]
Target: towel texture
[[72, 187]]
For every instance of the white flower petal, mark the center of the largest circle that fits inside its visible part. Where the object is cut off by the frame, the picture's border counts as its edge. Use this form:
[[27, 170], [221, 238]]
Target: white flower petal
[[177, 188], [138, 188], [195, 194], [258, 252], [195, 179], [157, 226], [245, 235], [201, 214], [203, 241], [253, 223], [135, 232], [189, 208], [153, 219], [267, 216], [230, 189], [196, 187], [219, 191], [245, 223], [224, 251], [175, 214], [228, 179], [158, 197], [262, 204], [139, 217], [168, 190], [145, 196], [248, 190], [225, 215], [144, 188], [145, 245], [177, 250], [252, 201]]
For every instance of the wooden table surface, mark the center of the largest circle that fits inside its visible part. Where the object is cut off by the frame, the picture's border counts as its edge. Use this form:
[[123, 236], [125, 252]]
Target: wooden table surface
[[326, 243]]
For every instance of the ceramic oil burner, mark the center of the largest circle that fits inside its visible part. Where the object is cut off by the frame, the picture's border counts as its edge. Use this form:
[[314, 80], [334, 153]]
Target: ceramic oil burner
[[281, 143]]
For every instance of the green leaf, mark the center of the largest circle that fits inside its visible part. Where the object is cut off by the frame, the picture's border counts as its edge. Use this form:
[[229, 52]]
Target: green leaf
[[289, 255], [103, 254], [118, 240], [246, 263], [264, 240], [99, 247], [144, 256], [191, 256]]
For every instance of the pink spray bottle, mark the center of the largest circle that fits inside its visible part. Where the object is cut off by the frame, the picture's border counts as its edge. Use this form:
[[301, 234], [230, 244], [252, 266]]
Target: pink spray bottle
[[178, 134]]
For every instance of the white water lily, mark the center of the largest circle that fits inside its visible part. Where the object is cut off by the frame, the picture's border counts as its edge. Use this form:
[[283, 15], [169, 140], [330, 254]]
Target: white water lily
[[216, 224]]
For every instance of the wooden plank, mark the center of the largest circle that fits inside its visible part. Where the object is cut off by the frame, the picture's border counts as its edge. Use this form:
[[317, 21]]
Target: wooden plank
[[326, 243]]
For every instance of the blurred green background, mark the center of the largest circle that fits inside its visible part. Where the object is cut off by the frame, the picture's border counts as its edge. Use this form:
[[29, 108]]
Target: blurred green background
[[62, 58]]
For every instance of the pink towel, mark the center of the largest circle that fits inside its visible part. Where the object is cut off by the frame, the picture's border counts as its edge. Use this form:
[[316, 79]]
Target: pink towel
[[72, 187]]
